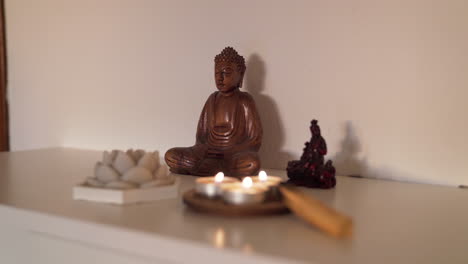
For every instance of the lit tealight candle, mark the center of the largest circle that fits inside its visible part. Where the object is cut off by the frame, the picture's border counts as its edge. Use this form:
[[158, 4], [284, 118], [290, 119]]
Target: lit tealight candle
[[210, 186], [271, 182], [243, 193]]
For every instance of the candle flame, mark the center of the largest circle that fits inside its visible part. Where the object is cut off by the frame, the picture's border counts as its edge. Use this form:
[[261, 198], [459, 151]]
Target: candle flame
[[247, 182], [219, 177], [262, 176]]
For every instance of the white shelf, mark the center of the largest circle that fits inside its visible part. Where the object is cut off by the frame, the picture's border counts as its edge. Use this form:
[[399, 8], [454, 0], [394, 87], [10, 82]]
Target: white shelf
[[41, 223]]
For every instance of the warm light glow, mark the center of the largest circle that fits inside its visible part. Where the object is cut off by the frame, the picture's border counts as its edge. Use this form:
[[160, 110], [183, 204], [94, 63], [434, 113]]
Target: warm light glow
[[262, 176], [247, 248], [247, 182], [219, 238], [219, 177]]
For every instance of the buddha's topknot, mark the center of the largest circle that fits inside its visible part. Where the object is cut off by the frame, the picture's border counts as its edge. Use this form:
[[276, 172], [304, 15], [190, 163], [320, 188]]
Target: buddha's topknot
[[229, 54]]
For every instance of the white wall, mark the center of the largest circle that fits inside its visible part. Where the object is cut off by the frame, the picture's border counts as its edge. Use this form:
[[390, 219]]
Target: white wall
[[387, 80]]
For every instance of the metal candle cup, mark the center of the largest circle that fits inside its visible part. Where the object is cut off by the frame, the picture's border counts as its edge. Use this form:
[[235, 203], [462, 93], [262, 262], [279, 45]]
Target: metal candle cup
[[210, 186], [243, 193]]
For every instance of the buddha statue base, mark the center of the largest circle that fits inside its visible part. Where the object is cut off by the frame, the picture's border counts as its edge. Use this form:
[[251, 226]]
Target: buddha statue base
[[191, 162]]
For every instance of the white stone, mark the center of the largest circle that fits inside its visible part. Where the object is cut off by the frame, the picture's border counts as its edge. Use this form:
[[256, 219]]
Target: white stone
[[161, 172], [93, 182], [120, 185], [157, 158], [114, 153], [148, 161], [129, 153], [123, 162], [137, 175], [158, 182], [138, 154], [105, 173], [108, 157]]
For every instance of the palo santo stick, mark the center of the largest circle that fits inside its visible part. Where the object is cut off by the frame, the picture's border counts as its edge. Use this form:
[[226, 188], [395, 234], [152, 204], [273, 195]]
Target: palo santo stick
[[316, 213]]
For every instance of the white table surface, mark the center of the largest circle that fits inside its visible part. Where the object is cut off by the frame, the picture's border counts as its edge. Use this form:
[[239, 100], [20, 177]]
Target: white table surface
[[394, 222]]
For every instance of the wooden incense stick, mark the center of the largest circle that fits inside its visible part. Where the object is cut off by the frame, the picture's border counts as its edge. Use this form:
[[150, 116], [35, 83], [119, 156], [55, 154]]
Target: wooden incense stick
[[316, 213]]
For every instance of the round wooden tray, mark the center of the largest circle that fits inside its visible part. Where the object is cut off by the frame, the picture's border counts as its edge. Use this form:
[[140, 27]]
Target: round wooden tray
[[219, 207]]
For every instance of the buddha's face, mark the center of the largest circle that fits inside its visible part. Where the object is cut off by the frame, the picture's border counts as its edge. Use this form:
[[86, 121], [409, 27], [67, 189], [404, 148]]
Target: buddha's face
[[227, 76]]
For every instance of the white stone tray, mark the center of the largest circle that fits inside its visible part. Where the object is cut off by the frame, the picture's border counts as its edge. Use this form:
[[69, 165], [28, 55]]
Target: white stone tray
[[82, 192]]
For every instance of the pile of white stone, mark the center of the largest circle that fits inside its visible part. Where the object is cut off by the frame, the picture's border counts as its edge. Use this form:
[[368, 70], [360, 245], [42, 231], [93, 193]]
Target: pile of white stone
[[130, 169]]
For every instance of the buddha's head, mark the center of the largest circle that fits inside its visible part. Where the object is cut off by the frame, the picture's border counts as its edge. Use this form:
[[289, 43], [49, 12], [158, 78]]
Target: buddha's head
[[229, 70]]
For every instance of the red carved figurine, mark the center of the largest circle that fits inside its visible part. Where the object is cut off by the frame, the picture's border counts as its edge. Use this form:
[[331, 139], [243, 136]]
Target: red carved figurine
[[310, 170]]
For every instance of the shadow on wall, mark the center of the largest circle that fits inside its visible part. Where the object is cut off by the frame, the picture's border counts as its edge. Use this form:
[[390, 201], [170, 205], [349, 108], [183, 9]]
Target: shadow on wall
[[271, 153], [346, 161]]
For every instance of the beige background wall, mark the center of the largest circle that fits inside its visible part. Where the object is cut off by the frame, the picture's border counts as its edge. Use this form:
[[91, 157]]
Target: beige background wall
[[387, 80]]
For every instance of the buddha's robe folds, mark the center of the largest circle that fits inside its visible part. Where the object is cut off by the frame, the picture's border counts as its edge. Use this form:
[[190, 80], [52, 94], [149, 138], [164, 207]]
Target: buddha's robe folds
[[228, 138]]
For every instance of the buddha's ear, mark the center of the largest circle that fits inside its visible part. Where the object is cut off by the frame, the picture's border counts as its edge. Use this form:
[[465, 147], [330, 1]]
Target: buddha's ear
[[241, 80]]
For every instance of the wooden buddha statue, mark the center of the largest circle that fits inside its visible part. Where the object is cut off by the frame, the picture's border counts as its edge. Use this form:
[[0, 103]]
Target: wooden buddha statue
[[229, 132]]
